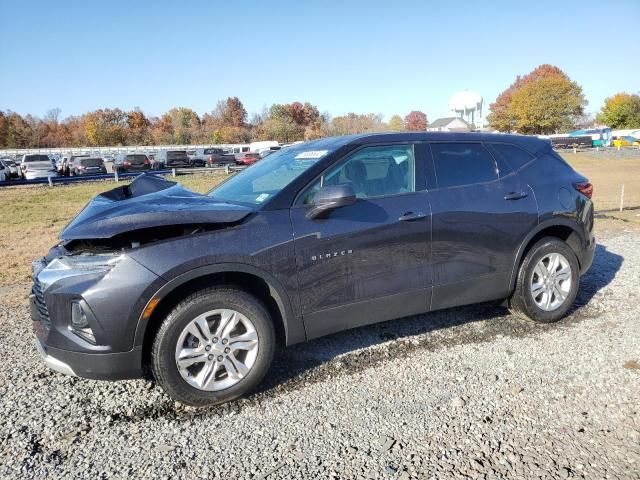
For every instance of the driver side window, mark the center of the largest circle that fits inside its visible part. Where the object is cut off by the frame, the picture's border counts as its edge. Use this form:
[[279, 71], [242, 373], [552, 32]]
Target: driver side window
[[372, 172]]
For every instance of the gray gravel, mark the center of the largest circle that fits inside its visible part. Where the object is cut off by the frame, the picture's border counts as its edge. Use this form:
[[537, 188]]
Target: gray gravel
[[465, 393]]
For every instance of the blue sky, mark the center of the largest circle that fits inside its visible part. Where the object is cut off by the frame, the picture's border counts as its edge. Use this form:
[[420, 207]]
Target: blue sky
[[363, 56]]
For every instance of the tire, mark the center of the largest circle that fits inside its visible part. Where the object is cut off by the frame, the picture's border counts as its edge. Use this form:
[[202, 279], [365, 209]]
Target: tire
[[524, 304], [169, 337]]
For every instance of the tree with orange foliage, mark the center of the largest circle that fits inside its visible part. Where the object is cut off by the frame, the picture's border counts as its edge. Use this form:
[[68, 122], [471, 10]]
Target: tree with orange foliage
[[621, 111], [416, 121], [505, 118]]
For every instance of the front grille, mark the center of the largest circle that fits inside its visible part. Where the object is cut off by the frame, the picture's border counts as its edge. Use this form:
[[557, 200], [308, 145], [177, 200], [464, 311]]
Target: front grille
[[41, 305]]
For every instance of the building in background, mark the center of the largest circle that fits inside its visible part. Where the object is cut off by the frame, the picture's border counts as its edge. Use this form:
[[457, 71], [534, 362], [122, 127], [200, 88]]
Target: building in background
[[449, 124]]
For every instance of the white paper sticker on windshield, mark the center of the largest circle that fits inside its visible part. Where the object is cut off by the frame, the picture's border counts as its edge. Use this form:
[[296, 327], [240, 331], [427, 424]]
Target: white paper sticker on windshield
[[262, 197], [311, 154]]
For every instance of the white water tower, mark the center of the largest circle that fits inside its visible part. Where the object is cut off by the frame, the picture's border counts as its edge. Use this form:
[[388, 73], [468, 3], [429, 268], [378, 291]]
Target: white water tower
[[468, 106]]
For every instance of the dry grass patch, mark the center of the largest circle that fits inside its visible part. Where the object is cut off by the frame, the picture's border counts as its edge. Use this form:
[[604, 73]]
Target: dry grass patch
[[31, 217], [607, 176]]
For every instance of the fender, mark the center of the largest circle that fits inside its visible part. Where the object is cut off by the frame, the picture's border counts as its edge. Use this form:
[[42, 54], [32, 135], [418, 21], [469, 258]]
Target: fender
[[552, 222], [293, 326]]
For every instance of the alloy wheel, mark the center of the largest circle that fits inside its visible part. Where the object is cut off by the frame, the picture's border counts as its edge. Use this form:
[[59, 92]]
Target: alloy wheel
[[551, 281], [216, 349]]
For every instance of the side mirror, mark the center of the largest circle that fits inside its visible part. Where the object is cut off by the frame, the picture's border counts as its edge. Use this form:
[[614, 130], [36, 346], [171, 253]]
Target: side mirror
[[329, 198]]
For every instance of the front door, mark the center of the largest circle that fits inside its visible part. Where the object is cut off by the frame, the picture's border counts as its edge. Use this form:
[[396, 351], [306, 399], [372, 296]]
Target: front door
[[365, 262]]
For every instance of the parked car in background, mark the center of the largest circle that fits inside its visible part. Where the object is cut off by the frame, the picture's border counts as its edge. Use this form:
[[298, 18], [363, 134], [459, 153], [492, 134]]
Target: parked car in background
[[13, 171], [195, 160], [266, 153], [132, 162], [625, 141], [248, 158], [217, 157], [4, 174], [63, 166], [37, 165], [321, 237], [87, 166], [172, 159]]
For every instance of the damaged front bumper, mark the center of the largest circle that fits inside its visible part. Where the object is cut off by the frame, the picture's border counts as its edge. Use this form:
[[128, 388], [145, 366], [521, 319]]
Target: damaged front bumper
[[85, 313]]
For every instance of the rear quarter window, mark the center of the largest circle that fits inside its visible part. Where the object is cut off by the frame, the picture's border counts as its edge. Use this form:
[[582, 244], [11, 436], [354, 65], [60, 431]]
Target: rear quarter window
[[458, 164], [514, 156]]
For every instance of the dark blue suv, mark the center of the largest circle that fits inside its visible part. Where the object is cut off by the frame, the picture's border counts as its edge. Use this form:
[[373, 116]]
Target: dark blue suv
[[316, 238]]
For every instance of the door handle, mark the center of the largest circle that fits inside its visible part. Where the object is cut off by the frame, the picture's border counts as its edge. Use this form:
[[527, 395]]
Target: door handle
[[515, 195], [411, 216]]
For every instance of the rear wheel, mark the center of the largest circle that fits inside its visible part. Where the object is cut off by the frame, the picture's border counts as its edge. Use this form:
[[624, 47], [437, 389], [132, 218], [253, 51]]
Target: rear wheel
[[547, 281], [213, 347]]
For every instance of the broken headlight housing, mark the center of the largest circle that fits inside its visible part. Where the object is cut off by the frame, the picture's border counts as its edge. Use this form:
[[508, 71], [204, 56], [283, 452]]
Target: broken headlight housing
[[74, 265]]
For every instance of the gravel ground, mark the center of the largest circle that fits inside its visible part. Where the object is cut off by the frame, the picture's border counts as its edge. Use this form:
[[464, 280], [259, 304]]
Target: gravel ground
[[465, 393]]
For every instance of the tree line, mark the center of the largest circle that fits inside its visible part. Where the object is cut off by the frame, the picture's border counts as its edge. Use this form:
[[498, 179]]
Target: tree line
[[547, 101], [227, 123], [543, 101]]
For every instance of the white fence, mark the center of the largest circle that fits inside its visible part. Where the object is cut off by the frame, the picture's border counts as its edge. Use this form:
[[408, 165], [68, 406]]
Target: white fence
[[99, 151]]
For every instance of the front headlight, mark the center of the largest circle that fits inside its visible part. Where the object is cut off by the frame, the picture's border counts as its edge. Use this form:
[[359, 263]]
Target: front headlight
[[71, 266], [97, 262]]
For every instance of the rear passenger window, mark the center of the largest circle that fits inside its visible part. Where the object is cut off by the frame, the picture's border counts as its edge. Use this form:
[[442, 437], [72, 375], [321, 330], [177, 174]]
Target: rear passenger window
[[514, 156], [459, 164]]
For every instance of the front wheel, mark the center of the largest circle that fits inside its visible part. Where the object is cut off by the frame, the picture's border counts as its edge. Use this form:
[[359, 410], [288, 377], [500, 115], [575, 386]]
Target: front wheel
[[547, 282], [213, 347]]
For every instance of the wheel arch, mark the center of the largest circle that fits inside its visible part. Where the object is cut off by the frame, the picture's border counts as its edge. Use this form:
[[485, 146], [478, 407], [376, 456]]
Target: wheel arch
[[565, 229], [289, 328]]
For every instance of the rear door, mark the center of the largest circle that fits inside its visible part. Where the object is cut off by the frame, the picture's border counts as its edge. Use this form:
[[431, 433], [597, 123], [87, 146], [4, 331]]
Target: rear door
[[365, 262], [481, 214]]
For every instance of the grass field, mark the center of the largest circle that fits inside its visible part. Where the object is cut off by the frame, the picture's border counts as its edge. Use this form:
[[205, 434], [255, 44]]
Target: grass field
[[31, 217], [608, 174]]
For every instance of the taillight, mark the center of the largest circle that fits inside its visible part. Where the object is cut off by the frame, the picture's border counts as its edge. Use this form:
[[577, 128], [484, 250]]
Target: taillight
[[126, 163], [584, 188]]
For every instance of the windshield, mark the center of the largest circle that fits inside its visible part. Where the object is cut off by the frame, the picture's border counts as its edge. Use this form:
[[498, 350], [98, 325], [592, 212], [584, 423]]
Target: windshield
[[36, 158], [176, 155], [136, 158], [260, 182], [92, 162]]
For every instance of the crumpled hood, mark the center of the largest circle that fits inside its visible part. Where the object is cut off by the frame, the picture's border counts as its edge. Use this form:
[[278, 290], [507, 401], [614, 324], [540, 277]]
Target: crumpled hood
[[149, 201]]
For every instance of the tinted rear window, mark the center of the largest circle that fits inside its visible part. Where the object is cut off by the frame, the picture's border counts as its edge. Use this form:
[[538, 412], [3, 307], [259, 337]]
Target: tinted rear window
[[91, 162], [136, 158], [36, 158], [514, 156], [462, 164], [178, 155]]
